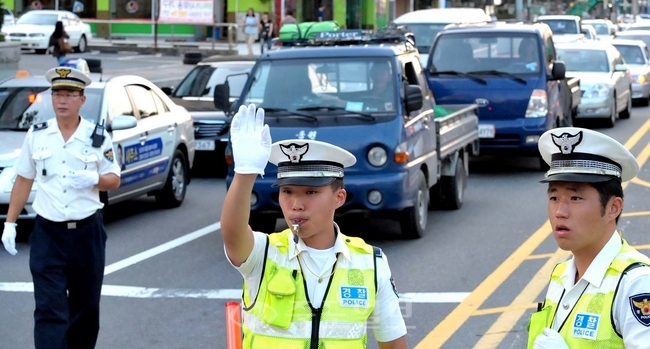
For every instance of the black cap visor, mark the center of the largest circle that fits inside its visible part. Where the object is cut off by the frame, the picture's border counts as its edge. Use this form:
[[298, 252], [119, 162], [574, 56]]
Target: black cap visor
[[305, 181], [577, 177]]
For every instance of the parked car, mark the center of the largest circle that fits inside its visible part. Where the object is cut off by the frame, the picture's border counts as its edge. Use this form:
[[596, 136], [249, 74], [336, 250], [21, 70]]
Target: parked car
[[604, 79], [637, 57], [153, 138], [33, 30], [195, 93], [8, 18]]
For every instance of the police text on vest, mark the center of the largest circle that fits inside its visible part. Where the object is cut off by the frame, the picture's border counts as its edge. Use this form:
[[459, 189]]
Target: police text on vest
[[354, 296], [585, 326]]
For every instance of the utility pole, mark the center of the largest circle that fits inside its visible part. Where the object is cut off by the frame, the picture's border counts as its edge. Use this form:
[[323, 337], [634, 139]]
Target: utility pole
[[635, 7], [519, 10]]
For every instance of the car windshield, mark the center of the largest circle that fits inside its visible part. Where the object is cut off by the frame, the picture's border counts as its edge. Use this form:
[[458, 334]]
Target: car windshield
[[201, 80], [584, 60], [20, 107], [339, 84], [632, 54], [601, 28], [479, 52], [561, 26], [424, 34], [38, 19]]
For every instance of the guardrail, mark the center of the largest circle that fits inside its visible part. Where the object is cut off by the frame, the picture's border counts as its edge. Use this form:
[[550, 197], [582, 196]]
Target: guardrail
[[231, 34]]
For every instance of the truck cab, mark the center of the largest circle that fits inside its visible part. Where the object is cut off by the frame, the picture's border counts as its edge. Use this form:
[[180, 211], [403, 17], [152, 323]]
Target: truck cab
[[367, 94], [511, 72]]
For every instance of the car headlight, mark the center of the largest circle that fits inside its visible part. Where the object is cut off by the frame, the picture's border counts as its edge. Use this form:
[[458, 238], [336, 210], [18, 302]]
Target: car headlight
[[640, 79], [377, 156], [598, 90]]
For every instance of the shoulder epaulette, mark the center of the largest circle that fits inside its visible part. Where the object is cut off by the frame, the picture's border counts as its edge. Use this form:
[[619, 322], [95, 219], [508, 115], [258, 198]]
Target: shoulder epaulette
[[41, 126]]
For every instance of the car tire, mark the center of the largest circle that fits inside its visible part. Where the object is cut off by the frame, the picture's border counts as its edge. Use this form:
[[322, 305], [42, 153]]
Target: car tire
[[413, 220], [261, 222], [192, 57], [612, 118], [83, 44], [452, 188], [627, 112], [173, 193]]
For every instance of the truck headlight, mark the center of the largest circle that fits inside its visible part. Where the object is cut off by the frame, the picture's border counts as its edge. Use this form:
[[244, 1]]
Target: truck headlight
[[377, 156], [598, 90], [537, 104]]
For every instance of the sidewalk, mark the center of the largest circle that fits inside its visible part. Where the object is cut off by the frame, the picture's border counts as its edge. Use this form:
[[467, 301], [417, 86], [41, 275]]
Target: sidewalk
[[174, 48]]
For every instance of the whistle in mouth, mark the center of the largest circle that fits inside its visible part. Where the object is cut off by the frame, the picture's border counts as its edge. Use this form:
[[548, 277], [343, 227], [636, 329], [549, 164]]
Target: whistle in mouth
[[296, 228]]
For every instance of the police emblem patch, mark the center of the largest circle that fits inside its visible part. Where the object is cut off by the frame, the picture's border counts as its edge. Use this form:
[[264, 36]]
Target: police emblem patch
[[294, 151], [567, 142], [109, 155], [640, 305], [392, 282], [63, 72]]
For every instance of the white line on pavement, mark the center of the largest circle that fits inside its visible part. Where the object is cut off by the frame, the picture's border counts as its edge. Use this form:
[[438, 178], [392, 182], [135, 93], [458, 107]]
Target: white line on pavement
[[228, 294], [161, 248]]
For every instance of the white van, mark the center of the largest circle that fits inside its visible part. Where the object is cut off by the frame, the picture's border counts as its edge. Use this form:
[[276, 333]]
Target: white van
[[425, 24]]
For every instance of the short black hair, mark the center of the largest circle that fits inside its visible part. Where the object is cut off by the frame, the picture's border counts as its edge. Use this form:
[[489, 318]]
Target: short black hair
[[607, 190], [337, 184]]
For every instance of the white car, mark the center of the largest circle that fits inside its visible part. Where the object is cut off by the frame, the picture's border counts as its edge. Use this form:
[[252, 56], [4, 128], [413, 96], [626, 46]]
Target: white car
[[637, 57], [605, 79], [153, 138], [33, 30], [8, 17]]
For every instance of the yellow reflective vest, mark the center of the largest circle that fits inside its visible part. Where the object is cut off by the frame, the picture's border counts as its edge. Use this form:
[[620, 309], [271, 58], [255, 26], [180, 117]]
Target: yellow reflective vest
[[281, 315], [590, 323]]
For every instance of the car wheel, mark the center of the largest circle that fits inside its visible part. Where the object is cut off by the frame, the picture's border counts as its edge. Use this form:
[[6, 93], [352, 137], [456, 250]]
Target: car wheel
[[453, 187], [83, 44], [414, 219], [627, 112], [173, 193], [612, 118]]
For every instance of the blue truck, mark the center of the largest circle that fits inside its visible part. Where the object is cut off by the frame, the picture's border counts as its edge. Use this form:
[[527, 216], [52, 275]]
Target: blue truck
[[368, 94], [510, 70]]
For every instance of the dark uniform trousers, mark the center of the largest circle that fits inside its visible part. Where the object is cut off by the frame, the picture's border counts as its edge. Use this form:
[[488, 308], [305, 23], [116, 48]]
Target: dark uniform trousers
[[67, 264]]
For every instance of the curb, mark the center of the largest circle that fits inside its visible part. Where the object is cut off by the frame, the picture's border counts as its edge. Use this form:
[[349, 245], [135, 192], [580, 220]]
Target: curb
[[165, 51]]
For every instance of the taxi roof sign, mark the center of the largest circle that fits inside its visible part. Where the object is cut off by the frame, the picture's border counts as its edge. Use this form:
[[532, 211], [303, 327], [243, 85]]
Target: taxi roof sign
[[350, 34]]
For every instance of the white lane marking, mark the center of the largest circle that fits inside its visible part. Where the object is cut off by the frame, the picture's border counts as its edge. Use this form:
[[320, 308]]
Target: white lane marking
[[161, 248], [227, 294]]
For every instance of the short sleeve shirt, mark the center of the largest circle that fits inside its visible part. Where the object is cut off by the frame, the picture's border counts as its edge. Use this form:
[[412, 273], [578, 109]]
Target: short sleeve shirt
[[49, 160]]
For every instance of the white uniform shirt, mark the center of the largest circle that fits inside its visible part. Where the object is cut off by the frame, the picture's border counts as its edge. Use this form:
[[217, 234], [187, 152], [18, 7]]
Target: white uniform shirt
[[386, 319], [635, 282], [48, 159]]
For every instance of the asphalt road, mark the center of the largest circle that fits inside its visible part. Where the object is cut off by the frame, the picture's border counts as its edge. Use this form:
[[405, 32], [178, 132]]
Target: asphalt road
[[470, 282]]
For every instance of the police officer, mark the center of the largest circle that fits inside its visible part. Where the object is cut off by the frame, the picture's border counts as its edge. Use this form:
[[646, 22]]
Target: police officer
[[71, 160], [309, 286], [600, 297]]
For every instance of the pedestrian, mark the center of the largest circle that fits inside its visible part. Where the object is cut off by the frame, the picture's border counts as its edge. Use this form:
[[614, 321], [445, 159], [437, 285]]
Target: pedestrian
[[308, 286], [600, 297], [57, 45], [320, 14], [266, 32], [289, 18], [72, 160], [250, 29]]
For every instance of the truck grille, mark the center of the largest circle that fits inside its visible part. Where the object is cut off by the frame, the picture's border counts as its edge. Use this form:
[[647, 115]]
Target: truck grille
[[202, 130]]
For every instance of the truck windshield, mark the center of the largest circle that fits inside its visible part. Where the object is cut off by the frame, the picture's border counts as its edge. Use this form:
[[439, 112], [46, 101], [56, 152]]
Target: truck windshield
[[584, 60], [478, 52], [424, 34], [20, 107], [336, 85], [562, 26]]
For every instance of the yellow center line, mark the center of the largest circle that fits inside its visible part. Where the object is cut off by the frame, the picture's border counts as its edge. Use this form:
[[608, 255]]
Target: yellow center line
[[641, 182], [498, 310], [463, 311], [636, 214]]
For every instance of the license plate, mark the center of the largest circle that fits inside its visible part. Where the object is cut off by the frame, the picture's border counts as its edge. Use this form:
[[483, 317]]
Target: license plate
[[205, 145], [486, 131], [15, 39]]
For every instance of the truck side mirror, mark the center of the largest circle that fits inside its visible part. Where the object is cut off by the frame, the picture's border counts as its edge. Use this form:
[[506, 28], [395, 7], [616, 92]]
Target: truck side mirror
[[221, 98], [558, 72], [414, 97]]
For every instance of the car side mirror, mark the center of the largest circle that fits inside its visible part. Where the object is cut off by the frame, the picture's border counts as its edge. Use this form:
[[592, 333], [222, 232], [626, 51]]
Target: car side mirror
[[221, 98], [123, 122], [558, 72], [167, 90], [620, 67], [414, 98]]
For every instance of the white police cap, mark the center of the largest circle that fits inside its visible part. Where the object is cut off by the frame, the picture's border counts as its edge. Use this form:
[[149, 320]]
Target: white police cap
[[582, 155], [305, 162], [66, 78]]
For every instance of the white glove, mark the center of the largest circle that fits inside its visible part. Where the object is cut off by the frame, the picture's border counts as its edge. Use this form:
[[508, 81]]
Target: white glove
[[550, 339], [9, 238], [84, 179], [251, 140]]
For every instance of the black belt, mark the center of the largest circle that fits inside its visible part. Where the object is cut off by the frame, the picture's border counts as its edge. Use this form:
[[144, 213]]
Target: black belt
[[71, 224]]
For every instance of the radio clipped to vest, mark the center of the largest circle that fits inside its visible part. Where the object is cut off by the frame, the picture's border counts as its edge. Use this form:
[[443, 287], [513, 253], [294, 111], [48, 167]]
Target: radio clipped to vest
[[98, 135]]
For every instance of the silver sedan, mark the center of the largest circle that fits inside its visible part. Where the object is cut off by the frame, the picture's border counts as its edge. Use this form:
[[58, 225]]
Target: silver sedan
[[636, 56]]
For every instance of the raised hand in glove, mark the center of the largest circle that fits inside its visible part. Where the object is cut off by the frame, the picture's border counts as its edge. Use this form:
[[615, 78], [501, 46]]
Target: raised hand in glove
[[550, 339], [251, 140], [84, 179], [9, 238]]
